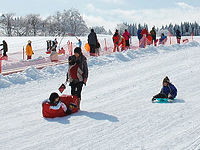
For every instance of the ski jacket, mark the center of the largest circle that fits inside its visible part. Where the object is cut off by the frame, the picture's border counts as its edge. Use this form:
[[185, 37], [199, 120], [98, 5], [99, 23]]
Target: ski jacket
[[144, 31], [153, 34], [75, 73], [5, 46], [126, 35], [116, 39], [178, 34], [162, 38], [29, 51], [139, 34], [170, 89], [82, 62], [92, 38]]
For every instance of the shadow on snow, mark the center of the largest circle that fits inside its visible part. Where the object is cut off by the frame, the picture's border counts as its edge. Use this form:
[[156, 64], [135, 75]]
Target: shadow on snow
[[92, 115]]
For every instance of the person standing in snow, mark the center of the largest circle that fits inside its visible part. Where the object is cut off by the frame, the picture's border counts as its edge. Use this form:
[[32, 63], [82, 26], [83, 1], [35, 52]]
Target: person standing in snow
[[178, 36], [5, 48], [54, 44], [139, 34], [29, 50], [79, 43], [144, 32], [168, 90], [153, 35], [78, 73], [116, 39], [127, 36], [92, 41]]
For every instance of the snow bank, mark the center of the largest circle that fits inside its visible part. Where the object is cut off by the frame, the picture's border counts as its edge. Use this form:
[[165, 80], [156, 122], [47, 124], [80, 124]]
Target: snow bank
[[31, 73]]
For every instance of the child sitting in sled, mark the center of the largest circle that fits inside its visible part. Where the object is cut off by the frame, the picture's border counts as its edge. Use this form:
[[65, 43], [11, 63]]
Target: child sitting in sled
[[163, 39], [56, 104], [168, 90]]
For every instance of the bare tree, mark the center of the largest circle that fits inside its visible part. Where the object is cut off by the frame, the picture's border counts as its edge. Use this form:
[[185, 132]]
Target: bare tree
[[7, 23], [33, 24]]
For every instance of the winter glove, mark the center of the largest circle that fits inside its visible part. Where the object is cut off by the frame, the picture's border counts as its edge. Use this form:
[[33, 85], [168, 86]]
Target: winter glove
[[68, 111]]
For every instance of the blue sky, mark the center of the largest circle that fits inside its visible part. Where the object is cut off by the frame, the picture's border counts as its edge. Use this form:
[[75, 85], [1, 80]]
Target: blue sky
[[108, 13]]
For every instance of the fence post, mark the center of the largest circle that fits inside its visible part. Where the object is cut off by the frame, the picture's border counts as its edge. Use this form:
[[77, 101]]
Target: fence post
[[23, 53], [106, 48]]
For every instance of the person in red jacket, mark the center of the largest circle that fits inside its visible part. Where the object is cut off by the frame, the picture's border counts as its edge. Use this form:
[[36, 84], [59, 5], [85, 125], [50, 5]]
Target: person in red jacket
[[144, 31], [127, 36], [116, 39]]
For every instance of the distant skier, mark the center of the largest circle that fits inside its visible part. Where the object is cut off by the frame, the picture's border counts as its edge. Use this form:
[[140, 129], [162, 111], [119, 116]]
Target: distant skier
[[78, 73], [139, 34], [5, 48], [79, 43], [178, 36], [144, 32], [116, 38], [127, 36], [153, 35], [54, 44], [162, 39], [92, 41], [97, 49], [168, 90], [29, 50]]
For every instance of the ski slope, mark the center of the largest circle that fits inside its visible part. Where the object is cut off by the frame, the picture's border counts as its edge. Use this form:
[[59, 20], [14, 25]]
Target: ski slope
[[116, 109]]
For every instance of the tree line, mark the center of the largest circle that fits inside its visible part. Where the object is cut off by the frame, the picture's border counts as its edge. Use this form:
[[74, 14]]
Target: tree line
[[185, 28], [71, 21]]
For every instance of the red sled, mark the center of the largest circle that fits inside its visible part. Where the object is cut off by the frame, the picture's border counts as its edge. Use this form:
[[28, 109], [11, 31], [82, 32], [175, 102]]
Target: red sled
[[48, 52], [47, 112]]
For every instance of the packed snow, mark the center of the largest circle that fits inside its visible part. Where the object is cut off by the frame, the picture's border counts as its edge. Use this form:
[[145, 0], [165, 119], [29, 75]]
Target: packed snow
[[116, 109]]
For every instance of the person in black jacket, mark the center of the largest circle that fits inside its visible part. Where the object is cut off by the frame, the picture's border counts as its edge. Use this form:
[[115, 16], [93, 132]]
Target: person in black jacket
[[76, 84], [5, 48], [92, 41], [178, 36]]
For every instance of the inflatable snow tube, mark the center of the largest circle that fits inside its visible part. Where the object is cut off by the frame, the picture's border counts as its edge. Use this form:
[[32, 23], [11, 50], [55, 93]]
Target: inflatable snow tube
[[47, 112], [87, 47], [149, 40]]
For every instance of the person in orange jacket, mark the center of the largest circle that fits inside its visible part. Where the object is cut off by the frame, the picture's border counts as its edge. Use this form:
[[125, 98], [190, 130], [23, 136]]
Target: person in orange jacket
[[123, 43], [116, 39], [29, 50]]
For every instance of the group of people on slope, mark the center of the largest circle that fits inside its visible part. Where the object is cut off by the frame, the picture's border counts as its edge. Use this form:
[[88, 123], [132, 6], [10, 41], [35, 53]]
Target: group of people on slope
[[152, 36], [93, 43], [123, 40]]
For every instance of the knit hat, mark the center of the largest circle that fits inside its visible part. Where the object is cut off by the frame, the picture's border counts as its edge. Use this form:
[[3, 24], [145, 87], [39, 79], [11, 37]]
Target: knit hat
[[77, 50], [166, 80], [52, 97]]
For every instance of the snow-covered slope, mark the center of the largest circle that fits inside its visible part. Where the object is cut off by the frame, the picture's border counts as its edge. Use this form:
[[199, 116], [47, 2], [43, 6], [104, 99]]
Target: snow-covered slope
[[116, 109]]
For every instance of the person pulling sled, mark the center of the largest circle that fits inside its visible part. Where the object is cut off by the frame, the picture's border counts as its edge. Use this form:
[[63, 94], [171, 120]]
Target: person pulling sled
[[168, 91], [78, 73]]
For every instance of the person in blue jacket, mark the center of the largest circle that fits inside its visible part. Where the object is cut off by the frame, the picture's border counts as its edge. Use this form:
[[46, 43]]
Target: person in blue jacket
[[139, 33], [163, 37], [168, 90]]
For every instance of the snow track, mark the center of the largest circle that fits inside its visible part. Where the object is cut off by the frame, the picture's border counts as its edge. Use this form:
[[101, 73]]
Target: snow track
[[117, 112]]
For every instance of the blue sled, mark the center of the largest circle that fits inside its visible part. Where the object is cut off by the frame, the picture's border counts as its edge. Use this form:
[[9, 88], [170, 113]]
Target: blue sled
[[162, 100]]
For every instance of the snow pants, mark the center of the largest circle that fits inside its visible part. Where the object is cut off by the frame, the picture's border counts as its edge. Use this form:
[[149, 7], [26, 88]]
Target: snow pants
[[76, 88]]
